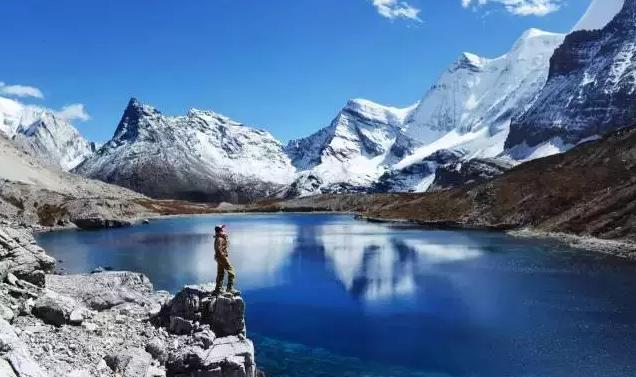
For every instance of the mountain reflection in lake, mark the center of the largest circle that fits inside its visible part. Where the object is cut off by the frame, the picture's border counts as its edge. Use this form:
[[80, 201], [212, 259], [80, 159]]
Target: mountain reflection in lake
[[330, 296]]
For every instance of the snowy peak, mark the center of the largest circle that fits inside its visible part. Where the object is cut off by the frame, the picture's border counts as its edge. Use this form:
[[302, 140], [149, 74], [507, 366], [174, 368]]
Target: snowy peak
[[376, 113], [477, 93], [354, 150], [468, 61], [136, 116], [43, 134], [211, 117], [198, 156], [534, 41]]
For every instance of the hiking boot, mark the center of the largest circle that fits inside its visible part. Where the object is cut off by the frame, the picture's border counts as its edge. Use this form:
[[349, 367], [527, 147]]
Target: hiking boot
[[217, 291], [230, 289], [233, 292]]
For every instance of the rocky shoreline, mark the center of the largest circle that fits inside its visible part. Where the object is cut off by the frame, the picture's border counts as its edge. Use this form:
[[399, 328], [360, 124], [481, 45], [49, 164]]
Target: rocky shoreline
[[623, 249], [111, 323]]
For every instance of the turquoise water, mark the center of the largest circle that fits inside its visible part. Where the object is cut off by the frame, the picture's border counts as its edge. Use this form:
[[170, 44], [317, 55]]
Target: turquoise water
[[331, 296]]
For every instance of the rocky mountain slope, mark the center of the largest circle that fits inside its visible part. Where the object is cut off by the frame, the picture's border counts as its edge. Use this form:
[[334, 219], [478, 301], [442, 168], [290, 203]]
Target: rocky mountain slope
[[202, 156], [590, 89], [43, 134], [587, 191], [33, 193], [111, 323]]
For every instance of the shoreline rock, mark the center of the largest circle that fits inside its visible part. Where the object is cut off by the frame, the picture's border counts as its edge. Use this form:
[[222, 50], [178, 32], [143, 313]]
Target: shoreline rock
[[112, 323]]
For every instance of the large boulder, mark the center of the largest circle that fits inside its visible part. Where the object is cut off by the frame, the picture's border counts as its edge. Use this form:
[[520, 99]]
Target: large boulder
[[22, 257], [223, 313], [55, 309], [215, 327]]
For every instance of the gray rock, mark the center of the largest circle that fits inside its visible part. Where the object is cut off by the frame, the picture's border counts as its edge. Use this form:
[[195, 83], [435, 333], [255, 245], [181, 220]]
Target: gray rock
[[224, 314], [157, 349], [22, 257], [89, 326], [79, 373], [53, 308], [6, 313], [37, 277], [180, 326], [229, 356], [186, 304], [12, 279], [130, 363], [16, 353], [104, 290], [205, 338], [76, 317], [4, 270]]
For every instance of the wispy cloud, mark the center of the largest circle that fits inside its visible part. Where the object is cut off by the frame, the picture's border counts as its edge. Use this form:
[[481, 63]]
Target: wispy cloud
[[520, 7], [20, 91], [396, 9], [75, 111]]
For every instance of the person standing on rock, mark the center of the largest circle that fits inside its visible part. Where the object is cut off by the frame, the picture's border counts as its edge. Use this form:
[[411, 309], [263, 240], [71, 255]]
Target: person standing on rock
[[221, 255]]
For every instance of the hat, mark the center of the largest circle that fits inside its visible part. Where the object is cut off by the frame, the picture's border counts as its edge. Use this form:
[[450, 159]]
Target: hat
[[219, 228]]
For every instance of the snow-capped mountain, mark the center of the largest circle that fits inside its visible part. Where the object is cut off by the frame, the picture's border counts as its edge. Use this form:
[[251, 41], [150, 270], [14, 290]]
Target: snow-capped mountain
[[199, 156], [351, 153], [591, 87], [472, 104], [466, 115], [43, 134]]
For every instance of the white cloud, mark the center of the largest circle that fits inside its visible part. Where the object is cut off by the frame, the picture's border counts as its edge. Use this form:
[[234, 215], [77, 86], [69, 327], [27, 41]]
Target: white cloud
[[20, 91], [393, 9], [521, 7], [73, 112]]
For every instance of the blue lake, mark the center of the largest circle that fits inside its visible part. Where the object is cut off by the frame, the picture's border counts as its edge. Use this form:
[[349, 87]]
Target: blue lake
[[331, 296]]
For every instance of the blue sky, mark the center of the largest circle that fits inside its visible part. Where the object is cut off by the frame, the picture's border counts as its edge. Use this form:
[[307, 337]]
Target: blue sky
[[287, 66]]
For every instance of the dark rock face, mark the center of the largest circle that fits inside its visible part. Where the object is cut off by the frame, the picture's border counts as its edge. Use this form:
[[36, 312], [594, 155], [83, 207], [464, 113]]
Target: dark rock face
[[590, 89], [467, 172], [99, 223], [402, 179]]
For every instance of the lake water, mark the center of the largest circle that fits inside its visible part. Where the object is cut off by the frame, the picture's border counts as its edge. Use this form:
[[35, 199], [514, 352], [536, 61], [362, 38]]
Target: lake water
[[331, 296]]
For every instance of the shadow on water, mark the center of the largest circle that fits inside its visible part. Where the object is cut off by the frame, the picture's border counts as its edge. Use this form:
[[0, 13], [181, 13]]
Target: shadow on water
[[339, 297]]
